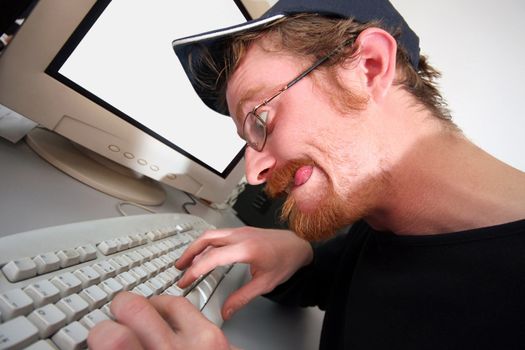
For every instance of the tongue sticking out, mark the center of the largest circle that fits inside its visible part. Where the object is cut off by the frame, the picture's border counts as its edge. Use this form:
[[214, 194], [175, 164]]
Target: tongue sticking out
[[303, 174]]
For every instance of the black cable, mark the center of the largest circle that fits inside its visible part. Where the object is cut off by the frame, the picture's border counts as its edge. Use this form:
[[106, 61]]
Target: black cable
[[193, 202]]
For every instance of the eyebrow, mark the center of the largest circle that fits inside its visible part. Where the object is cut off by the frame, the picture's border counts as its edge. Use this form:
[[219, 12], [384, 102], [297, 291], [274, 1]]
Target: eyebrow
[[250, 95], [247, 96]]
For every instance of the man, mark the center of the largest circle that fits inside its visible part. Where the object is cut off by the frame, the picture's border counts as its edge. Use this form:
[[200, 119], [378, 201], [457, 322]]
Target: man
[[342, 115]]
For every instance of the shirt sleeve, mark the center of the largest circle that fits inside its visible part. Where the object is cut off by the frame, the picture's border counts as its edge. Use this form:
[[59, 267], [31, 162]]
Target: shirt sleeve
[[309, 286], [312, 285]]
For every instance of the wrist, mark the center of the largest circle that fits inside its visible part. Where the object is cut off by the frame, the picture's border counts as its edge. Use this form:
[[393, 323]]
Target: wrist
[[308, 256]]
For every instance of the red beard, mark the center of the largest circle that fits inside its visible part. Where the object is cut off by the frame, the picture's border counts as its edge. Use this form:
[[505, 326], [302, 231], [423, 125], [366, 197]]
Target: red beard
[[313, 225], [332, 211]]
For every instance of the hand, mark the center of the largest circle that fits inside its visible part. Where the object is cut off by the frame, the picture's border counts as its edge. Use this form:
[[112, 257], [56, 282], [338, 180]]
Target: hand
[[163, 322], [273, 255]]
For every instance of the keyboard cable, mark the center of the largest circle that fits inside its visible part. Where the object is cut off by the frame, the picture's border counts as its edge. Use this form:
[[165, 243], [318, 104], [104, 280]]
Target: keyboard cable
[[123, 213]]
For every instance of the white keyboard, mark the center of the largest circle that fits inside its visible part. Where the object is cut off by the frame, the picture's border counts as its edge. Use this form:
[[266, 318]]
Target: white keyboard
[[57, 283]]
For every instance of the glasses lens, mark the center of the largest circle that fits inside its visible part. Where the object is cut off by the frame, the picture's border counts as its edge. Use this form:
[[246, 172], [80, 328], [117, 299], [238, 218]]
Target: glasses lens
[[255, 130]]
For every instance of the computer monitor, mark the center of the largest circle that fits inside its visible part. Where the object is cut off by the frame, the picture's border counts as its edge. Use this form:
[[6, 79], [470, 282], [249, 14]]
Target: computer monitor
[[103, 74]]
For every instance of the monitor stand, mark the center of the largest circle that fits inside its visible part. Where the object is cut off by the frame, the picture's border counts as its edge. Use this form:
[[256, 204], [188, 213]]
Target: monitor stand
[[94, 170]]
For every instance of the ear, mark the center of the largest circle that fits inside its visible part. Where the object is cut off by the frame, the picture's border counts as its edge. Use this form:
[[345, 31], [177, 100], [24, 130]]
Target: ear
[[376, 61]]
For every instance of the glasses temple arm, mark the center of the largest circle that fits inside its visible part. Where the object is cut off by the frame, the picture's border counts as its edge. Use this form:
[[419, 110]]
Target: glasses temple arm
[[305, 73]]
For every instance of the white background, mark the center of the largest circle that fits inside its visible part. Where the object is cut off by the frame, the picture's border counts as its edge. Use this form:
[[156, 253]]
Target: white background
[[479, 46]]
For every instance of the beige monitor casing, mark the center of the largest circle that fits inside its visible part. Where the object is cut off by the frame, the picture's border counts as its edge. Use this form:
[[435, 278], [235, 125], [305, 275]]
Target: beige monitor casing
[[28, 90]]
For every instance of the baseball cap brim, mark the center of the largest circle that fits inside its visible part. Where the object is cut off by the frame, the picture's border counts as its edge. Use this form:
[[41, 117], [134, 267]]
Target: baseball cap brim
[[192, 50]]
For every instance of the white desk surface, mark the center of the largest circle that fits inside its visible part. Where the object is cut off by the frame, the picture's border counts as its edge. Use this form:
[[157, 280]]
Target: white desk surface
[[34, 194]]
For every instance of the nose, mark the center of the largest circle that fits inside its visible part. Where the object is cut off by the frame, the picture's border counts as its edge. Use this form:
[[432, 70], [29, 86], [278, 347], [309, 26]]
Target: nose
[[258, 165]]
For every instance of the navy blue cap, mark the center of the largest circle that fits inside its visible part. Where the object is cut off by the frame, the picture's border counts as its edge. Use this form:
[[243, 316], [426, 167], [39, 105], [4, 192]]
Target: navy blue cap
[[190, 49]]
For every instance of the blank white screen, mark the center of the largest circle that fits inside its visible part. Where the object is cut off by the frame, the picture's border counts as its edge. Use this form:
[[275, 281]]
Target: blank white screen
[[126, 59]]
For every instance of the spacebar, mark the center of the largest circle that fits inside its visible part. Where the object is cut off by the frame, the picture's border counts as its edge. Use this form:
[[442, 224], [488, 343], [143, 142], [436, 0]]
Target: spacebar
[[232, 281]]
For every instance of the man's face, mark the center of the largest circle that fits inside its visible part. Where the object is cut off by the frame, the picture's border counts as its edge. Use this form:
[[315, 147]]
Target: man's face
[[327, 161]]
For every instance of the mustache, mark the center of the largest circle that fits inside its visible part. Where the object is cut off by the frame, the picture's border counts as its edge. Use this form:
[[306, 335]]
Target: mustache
[[281, 179]]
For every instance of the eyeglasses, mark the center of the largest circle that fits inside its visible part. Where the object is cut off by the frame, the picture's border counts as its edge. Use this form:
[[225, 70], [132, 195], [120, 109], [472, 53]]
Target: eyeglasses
[[254, 129]]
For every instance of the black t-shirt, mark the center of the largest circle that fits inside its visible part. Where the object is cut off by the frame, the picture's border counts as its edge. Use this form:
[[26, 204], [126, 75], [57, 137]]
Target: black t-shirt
[[462, 290]]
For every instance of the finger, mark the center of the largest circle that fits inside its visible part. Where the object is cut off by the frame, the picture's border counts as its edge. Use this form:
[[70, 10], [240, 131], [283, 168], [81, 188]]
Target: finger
[[215, 257], [192, 329], [242, 296], [216, 238], [179, 312], [140, 316], [111, 335]]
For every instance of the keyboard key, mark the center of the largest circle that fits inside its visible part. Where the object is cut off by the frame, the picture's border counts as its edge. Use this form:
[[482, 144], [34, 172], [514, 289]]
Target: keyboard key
[[143, 290], [21, 269], [206, 287], [197, 297], [168, 261], [160, 264], [67, 283], [155, 285], [155, 250], [86, 252], [17, 333], [185, 238], [169, 243], [139, 273], [48, 319], [150, 268], [166, 279], [146, 253], [46, 262], [121, 263], [87, 276], [174, 290], [90, 320], [104, 269], [125, 260], [215, 277], [162, 247], [140, 238], [73, 306], [106, 309], [127, 280], [42, 345], [123, 243], [111, 286], [175, 254], [135, 257], [68, 257], [166, 232], [71, 337], [108, 247], [154, 235], [171, 232], [135, 241], [210, 281], [15, 302], [42, 292], [174, 272], [176, 241], [94, 296]]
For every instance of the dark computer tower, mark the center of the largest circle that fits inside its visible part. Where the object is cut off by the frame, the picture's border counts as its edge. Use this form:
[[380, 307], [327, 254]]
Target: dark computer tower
[[255, 208]]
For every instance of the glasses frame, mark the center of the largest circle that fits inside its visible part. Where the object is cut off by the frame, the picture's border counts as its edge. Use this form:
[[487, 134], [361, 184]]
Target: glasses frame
[[255, 143]]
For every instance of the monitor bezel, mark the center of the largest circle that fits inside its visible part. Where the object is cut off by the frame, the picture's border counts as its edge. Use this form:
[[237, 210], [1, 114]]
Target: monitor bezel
[[73, 41]]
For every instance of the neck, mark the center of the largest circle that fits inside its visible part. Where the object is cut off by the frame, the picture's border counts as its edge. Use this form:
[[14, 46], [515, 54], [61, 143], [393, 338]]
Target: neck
[[444, 183]]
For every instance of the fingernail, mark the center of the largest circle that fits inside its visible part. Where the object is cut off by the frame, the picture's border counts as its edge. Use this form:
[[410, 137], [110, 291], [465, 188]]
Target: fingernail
[[228, 314]]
